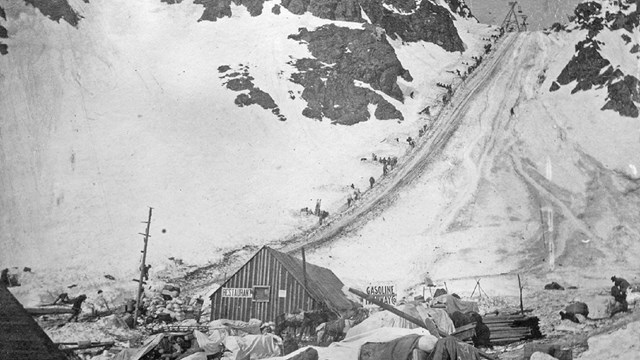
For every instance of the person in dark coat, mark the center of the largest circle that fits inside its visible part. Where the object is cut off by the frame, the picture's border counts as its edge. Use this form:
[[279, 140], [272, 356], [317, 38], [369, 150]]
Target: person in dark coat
[[483, 333], [619, 293], [372, 181], [146, 272], [4, 278], [63, 299], [77, 307], [621, 284], [573, 309]]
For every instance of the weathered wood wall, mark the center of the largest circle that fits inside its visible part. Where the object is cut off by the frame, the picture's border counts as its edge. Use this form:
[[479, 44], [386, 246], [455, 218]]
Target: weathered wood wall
[[262, 270]]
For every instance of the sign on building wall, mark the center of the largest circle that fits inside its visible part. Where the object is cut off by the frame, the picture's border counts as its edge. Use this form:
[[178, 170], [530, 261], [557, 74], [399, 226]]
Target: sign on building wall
[[385, 293], [237, 292]]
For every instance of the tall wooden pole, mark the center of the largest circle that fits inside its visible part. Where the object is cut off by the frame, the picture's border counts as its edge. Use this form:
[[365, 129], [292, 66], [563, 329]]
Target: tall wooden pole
[[304, 268], [520, 287], [142, 267]]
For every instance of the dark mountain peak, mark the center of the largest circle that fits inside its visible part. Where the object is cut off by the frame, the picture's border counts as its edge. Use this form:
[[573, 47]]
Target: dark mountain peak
[[56, 10]]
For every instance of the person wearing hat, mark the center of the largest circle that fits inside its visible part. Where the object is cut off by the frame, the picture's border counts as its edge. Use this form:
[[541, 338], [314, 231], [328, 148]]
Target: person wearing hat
[[621, 284], [619, 293]]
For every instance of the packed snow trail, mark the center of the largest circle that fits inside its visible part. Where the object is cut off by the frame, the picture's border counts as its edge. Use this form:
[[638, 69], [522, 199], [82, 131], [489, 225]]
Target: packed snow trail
[[426, 151], [468, 200], [386, 189]]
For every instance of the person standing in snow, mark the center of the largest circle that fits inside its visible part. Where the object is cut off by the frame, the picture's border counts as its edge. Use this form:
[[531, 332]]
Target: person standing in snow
[[372, 181], [101, 300], [77, 307], [621, 284], [323, 215], [619, 293], [317, 210], [349, 200]]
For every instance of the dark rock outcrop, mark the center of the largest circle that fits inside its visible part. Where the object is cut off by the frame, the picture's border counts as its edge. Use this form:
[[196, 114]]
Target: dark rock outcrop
[[590, 69], [584, 67], [426, 22], [405, 6], [342, 57], [621, 96], [621, 20], [242, 81], [346, 10], [217, 9], [56, 10], [587, 15], [431, 23], [214, 9], [460, 8]]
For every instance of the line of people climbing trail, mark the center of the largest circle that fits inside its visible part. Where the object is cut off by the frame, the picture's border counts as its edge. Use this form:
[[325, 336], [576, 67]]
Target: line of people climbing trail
[[389, 163]]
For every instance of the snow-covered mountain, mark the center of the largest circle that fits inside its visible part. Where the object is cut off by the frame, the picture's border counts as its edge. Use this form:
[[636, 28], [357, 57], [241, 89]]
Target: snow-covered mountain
[[229, 117], [540, 176], [223, 116]]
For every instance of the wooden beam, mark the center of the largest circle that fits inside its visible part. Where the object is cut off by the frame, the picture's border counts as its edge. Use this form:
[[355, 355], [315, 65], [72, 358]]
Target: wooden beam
[[49, 310]]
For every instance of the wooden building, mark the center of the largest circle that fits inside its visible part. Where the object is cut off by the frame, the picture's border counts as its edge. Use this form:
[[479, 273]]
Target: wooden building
[[272, 283], [21, 338]]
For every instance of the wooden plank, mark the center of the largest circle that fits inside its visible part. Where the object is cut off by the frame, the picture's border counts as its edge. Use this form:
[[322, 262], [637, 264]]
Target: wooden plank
[[49, 310]]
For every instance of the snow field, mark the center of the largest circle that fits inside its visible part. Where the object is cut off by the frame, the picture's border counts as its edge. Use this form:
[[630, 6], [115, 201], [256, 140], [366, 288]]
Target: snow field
[[129, 111]]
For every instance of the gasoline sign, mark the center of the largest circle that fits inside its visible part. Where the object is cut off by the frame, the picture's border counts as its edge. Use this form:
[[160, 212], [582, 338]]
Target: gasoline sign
[[385, 293]]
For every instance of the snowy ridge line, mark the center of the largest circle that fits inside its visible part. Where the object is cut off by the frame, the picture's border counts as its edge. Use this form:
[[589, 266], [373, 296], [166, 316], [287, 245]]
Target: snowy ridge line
[[447, 121]]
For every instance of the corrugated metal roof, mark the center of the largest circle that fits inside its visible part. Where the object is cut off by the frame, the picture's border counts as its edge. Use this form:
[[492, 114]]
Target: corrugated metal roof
[[21, 338], [322, 283]]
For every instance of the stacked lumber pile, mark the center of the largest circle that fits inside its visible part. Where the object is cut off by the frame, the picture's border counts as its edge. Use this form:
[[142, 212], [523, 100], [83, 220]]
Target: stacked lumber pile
[[506, 329]]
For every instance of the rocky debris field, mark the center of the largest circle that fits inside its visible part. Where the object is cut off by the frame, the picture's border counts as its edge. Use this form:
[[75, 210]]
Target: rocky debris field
[[166, 308]]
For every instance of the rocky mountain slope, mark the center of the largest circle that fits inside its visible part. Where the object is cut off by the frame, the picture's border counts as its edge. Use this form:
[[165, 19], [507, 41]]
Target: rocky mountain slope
[[225, 116], [511, 178], [616, 28], [229, 141], [533, 180]]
